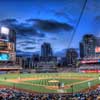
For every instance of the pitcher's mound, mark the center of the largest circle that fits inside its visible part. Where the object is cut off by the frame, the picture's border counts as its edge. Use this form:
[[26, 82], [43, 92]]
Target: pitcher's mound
[[53, 81]]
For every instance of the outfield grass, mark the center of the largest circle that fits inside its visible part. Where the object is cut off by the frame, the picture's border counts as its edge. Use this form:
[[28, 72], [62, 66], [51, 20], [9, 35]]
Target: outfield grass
[[46, 75], [59, 76]]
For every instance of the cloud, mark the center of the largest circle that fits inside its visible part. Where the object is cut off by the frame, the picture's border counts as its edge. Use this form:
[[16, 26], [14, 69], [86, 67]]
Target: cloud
[[40, 40], [63, 13], [30, 48], [23, 42], [23, 53], [53, 38], [13, 23], [50, 25], [8, 21], [96, 23], [97, 19], [28, 31], [22, 29]]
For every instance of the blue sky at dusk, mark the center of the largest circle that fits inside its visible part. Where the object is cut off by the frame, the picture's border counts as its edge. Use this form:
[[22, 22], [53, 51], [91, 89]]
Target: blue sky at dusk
[[53, 21]]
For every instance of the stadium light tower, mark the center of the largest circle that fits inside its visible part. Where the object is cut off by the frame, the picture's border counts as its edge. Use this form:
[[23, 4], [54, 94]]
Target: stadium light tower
[[4, 30]]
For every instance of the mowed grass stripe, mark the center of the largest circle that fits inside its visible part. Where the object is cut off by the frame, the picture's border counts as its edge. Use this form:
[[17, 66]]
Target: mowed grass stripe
[[46, 81]]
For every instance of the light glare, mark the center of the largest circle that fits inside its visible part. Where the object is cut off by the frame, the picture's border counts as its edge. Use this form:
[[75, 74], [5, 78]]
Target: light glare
[[5, 30]]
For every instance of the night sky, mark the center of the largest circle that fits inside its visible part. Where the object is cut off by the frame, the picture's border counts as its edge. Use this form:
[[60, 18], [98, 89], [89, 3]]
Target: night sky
[[53, 21]]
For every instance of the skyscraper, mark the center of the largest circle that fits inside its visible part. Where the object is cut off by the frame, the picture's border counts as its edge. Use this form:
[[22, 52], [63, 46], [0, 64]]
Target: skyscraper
[[46, 50], [71, 56], [81, 50], [47, 62], [87, 46]]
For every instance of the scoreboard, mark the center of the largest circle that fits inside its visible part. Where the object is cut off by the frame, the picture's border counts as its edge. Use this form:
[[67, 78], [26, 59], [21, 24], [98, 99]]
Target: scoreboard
[[7, 51], [4, 57], [3, 46], [7, 44]]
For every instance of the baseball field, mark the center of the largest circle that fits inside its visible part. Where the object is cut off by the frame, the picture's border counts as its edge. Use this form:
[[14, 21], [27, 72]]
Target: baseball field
[[49, 82]]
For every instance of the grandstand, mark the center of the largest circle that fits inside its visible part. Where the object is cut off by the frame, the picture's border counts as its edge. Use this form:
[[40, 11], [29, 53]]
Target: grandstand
[[91, 65], [8, 50], [46, 67], [11, 94], [15, 94]]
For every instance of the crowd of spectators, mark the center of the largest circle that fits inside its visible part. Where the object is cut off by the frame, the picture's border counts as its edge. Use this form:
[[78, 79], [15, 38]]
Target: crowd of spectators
[[12, 94]]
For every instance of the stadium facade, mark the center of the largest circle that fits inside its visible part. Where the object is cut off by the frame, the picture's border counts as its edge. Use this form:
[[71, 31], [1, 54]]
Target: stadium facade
[[7, 49], [7, 44], [90, 54]]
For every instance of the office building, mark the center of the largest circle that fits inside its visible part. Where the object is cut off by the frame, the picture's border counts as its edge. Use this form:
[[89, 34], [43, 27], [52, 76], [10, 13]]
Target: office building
[[71, 57], [87, 46], [46, 50]]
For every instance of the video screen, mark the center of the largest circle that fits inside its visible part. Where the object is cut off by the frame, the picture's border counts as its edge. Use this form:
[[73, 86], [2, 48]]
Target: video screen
[[97, 49], [6, 46], [3, 46], [4, 57]]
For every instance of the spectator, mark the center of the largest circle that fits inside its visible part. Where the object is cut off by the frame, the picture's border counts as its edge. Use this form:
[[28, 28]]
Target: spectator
[[12, 94]]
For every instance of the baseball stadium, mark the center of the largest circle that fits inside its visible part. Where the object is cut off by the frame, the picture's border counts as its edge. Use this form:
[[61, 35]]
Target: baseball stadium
[[45, 54]]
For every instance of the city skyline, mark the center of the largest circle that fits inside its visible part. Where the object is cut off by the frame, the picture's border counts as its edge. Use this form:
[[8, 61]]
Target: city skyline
[[53, 21]]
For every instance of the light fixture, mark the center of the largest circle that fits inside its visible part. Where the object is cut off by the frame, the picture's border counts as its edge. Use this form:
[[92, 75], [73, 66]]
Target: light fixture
[[4, 30]]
